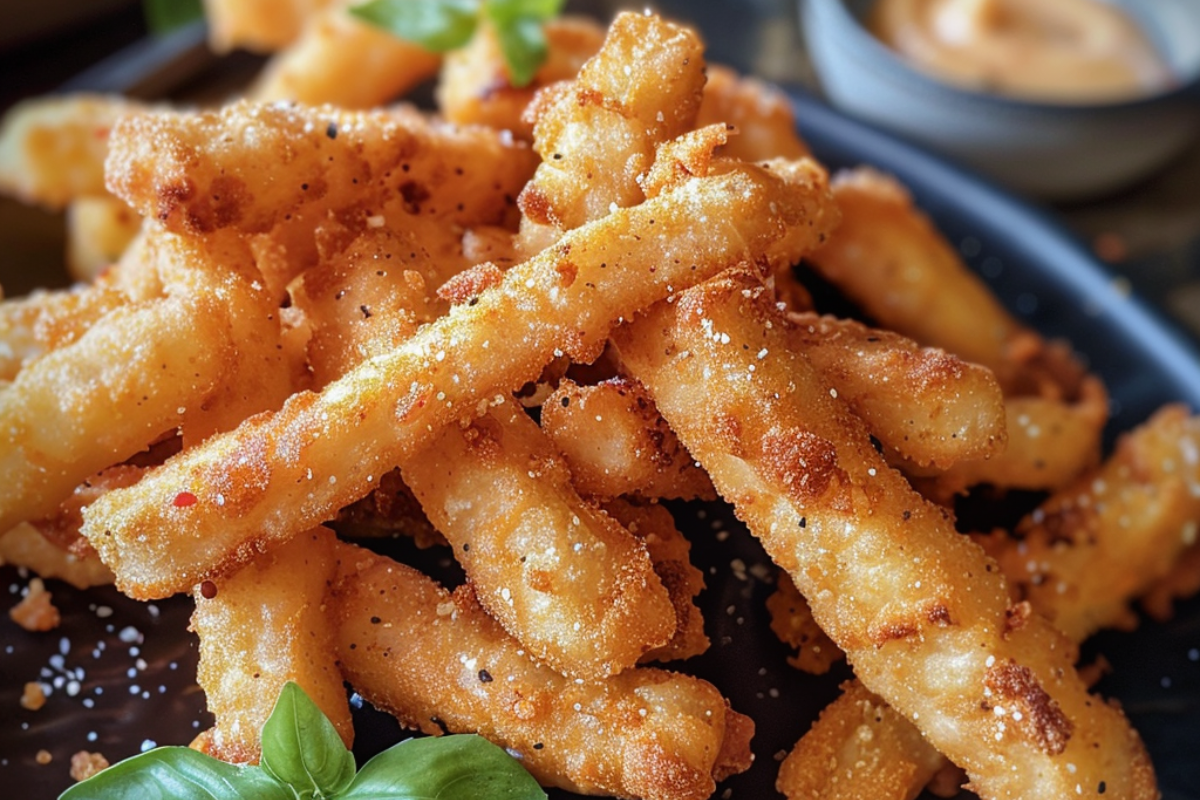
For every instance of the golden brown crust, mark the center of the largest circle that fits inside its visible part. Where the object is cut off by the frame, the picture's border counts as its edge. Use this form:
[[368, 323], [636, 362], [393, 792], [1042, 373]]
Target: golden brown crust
[[439, 663], [912, 572]]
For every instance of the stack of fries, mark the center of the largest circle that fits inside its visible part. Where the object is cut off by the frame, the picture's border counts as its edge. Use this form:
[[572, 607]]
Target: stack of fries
[[296, 318]]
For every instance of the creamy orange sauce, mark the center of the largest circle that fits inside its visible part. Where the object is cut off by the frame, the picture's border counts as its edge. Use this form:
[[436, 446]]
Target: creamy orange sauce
[[1060, 50]]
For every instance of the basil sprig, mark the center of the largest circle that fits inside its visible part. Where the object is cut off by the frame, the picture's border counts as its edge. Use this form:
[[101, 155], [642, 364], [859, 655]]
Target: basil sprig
[[441, 25], [303, 757]]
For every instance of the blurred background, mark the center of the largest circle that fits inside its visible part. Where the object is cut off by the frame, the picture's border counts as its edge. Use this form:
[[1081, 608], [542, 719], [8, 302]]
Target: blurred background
[[1147, 233]]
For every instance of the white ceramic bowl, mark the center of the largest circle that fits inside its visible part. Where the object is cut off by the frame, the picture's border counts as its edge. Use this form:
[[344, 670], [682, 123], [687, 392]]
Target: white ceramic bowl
[[1051, 151]]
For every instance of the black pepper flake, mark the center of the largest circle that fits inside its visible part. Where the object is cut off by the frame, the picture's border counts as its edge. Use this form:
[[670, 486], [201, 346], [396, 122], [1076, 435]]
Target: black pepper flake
[[538, 745], [804, 522], [485, 676], [331, 131], [566, 402], [466, 546], [366, 312], [304, 187], [208, 590], [1102, 788], [375, 620]]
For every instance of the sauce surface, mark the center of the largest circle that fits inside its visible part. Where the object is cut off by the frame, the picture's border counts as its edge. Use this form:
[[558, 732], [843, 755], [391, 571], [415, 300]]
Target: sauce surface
[[1057, 50]]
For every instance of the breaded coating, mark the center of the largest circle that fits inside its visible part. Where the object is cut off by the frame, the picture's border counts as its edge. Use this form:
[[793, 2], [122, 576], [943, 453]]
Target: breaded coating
[[669, 550], [597, 134], [792, 621], [570, 583], [438, 662], [105, 397], [48, 319], [344, 61], [248, 166], [760, 113], [1113, 534], [859, 748], [616, 443], [286, 471], [52, 148], [474, 87], [262, 26], [1079, 559], [922, 403], [260, 628], [921, 612]]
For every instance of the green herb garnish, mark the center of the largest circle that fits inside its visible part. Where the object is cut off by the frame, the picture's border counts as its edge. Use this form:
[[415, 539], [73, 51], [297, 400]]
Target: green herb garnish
[[441, 25], [167, 15], [303, 757]]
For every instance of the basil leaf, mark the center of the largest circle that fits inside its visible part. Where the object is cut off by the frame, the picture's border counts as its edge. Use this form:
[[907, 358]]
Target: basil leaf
[[177, 773], [301, 748], [436, 25], [504, 12], [523, 43], [167, 15], [454, 767]]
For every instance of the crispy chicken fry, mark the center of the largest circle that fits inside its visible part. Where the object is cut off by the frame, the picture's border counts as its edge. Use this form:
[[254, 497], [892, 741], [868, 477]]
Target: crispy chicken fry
[[283, 472], [258, 25], [52, 149], [1113, 534], [438, 662], [249, 166], [25, 546], [474, 86], [597, 134], [859, 748], [762, 115], [344, 61], [105, 397], [921, 612], [99, 228], [577, 589], [46, 320], [1080, 558], [668, 550], [261, 627], [616, 443], [922, 403]]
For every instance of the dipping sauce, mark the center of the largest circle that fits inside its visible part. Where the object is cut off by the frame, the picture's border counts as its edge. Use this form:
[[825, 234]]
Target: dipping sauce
[[1055, 50]]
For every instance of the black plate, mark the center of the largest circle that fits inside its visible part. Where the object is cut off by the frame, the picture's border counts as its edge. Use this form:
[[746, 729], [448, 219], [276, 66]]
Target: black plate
[[137, 687]]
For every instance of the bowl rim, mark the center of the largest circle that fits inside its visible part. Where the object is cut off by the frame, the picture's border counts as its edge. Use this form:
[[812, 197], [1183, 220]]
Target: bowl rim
[[901, 70]]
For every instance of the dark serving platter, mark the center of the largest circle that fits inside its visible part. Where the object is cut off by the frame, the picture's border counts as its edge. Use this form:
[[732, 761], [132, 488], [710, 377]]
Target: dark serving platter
[[123, 672]]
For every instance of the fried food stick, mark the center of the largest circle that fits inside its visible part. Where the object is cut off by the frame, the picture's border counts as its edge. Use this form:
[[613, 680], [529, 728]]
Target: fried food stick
[[439, 663], [577, 589], [52, 149], [105, 397], [1079, 559], [248, 166], [924, 404], [474, 86], [261, 627], [616, 443], [344, 61], [890, 260], [597, 134], [287, 471], [921, 612], [45, 320]]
